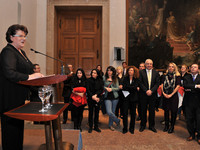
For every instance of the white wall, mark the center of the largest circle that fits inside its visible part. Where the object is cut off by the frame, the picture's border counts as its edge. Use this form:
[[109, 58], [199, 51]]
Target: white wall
[[117, 28], [32, 13], [34, 16]]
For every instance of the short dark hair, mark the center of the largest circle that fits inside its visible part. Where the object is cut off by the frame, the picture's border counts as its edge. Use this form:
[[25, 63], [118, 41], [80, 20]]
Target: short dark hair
[[142, 63], [195, 64], [124, 62], [34, 65], [13, 29]]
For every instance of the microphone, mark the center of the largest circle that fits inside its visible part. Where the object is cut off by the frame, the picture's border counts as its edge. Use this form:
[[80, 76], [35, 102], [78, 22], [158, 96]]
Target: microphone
[[62, 63]]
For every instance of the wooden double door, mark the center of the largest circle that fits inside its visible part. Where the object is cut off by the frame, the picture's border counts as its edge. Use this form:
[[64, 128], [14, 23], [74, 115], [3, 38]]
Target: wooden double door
[[79, 39]]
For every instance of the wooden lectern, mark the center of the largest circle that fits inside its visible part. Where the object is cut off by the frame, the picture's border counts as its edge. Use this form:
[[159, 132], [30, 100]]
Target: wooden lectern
[[30, 111]]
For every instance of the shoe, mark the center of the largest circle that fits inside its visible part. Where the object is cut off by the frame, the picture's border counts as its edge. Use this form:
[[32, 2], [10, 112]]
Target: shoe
[[141, 128], [79, 128], [171, 130], [153, 129], [198, 141], [97, 129], [190, 138], [124, 131], [166, 129], [111, 128], [90, 130], [118, 124], [131, 131], [138, 119], [162, 122]]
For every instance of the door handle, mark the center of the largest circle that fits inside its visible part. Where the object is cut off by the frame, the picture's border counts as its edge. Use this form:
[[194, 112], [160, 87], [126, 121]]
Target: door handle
[[97, 54]]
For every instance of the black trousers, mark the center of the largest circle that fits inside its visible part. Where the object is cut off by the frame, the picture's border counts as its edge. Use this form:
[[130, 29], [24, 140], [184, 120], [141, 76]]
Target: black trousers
[[173, 118], [93, 113], [192, 109], [119, 105], [127, 104], [65, 112], [148, 102], [12, 131], [78, 115], [139, 106]]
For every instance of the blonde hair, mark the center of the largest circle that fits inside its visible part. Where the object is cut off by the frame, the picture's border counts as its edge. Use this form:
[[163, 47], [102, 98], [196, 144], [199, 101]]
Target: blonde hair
[[185, 67], [119, 67], [175, 69]]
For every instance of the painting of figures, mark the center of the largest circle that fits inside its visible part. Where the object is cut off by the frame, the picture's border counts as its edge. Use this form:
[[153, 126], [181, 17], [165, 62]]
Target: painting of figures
[[163, 30]]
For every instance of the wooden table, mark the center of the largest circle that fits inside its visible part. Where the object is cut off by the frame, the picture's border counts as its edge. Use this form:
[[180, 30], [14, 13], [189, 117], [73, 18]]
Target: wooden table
[[30, 111]]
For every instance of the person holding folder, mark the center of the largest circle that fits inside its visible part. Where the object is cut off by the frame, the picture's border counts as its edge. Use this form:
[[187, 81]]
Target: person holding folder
[[130, 84]]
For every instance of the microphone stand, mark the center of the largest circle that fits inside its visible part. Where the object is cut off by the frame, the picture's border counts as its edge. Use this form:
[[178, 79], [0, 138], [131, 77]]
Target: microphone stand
[[62, 63]]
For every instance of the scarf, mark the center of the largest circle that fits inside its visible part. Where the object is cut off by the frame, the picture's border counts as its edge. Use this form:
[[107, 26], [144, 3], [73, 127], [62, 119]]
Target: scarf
[[169, 84]]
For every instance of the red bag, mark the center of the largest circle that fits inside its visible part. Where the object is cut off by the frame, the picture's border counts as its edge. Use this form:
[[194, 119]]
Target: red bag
[[78, 100]]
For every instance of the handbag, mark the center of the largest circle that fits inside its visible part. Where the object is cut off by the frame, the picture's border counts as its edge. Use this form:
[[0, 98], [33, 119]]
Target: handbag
[[102, 104]]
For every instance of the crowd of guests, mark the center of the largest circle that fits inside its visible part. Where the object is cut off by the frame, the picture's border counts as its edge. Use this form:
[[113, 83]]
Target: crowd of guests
[[125, 89], [117, 91]]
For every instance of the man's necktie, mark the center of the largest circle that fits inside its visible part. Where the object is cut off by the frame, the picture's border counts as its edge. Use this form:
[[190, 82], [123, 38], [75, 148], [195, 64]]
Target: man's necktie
[[193, 77], [149, 78]]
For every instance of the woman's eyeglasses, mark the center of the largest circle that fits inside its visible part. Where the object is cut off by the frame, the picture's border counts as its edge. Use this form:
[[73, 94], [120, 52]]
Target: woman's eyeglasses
[[20, 36]]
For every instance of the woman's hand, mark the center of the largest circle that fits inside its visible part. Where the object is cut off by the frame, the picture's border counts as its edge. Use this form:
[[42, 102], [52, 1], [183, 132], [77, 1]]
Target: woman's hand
[[35, 76], [167, 95], [97, 100], [120, 86], [109, 89], [94, 97], [138, 88]]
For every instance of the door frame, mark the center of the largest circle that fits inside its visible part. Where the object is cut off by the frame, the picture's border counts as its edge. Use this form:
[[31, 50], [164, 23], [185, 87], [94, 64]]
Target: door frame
[[57, 39]]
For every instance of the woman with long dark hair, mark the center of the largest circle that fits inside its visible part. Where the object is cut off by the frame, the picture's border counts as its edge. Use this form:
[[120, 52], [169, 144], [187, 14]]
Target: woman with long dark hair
[[94, 91], [120, 77], [111, 86], [170, 85], [130, 84], [100, 70], [79, 97]]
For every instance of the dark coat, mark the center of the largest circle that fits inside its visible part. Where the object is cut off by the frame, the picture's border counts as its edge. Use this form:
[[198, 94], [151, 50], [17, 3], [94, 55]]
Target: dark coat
[[191, 91], [67, 89], [155, 81], [131, 88], [13, 68], [94, 86]]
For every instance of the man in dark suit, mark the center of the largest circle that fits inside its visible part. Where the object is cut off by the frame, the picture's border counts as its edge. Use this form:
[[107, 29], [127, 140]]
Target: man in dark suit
[[149, 82], [67, 90], [124, 65], [191, 84]]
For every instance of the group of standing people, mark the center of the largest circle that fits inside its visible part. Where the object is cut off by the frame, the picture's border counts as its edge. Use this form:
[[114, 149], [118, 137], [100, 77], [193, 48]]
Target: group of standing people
[[128, 88], [125, 87]]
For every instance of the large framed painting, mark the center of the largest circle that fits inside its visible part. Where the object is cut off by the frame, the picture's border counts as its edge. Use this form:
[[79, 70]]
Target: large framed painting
[[163, 30]]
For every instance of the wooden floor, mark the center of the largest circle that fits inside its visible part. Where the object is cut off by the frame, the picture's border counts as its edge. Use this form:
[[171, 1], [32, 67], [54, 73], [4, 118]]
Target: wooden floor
[[115, 140]]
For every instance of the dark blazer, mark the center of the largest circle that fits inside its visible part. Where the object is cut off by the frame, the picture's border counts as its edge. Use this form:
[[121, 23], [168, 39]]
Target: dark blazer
[[143, 81], [67, 89], [94, 86], [131, 87], [13, 68], [189, 85]]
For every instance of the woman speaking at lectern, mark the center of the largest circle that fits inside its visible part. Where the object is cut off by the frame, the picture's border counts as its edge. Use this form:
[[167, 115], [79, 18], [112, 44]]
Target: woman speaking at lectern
[[14, 67]]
